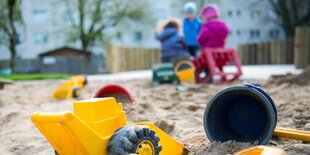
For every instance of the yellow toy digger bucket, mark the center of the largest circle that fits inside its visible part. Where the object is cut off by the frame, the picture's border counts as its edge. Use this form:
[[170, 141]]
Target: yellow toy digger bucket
[[87, 131], [185, 75], [261, 150]]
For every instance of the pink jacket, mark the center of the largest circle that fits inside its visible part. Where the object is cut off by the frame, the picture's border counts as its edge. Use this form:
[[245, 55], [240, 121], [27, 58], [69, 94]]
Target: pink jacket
[[213, 34]]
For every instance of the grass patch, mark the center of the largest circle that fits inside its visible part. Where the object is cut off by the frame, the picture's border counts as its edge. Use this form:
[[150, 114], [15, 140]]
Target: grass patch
[[20, 77]]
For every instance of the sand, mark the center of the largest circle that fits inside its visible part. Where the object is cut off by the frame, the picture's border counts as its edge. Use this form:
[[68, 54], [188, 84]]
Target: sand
[[177, 113]]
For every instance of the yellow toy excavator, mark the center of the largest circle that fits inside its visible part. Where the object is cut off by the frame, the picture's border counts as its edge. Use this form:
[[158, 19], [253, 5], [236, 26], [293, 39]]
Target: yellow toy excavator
[[98, 126]]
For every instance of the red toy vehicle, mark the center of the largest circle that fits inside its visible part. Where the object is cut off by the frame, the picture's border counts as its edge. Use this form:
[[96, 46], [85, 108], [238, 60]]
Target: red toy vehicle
[[211, 61]]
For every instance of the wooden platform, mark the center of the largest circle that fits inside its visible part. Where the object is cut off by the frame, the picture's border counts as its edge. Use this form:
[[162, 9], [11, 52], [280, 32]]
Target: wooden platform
[[4, 82]]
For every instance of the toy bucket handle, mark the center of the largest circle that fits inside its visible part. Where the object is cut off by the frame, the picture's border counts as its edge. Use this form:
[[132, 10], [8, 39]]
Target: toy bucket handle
[[183, 62]]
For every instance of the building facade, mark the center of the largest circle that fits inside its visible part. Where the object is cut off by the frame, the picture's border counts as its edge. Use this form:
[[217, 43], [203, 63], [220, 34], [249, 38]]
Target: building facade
[[46, 22]]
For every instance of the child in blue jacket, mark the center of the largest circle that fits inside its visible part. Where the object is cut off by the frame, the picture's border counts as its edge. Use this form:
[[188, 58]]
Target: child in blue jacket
[[191, 28], [172, 43]]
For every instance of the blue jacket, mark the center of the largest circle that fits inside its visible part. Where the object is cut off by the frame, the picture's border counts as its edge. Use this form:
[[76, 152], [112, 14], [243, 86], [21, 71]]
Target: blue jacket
[[191, 30], [172, 43]]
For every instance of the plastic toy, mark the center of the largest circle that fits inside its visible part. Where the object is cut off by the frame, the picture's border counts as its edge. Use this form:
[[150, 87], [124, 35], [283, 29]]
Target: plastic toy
[[244, 113], [211, 63], [98, 126], [79, 81], [185, 71], [163, 73], [66, 90], [70, 89], [293, 134], [261, 150], [116, 91]]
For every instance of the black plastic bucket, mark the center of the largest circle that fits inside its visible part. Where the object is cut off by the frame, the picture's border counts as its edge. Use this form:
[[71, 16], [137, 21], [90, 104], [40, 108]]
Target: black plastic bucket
[[244, 113]]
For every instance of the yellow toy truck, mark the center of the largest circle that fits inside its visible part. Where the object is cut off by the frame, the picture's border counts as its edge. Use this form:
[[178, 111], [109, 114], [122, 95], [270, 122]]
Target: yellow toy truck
[[98, 126], [70, 89], [66, 90]]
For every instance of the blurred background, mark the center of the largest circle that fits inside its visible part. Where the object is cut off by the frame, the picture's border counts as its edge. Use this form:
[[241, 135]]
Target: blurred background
[[102, 36]]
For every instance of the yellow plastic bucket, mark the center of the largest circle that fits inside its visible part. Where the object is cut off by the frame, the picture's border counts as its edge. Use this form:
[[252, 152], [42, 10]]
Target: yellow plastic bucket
[[187, 74]]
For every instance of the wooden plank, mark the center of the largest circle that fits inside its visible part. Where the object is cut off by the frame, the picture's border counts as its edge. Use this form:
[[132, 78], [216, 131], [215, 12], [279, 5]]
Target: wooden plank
[[259, 53], [108, 58], [265, 53], [240, 53], [273, 54], [307, 48], [300, 49], [279, 52], [4, 82]]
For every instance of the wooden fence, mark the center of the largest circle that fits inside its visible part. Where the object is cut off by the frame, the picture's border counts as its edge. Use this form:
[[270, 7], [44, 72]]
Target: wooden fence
[[124, 59], [274, 52], [292, 51], [302, 47]]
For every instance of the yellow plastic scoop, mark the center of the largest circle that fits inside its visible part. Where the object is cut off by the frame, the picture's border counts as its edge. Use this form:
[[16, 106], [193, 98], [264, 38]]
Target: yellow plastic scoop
[[292, 134]]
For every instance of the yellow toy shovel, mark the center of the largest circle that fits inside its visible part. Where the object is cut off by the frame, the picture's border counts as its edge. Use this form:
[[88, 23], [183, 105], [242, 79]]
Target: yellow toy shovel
[[292, 134]]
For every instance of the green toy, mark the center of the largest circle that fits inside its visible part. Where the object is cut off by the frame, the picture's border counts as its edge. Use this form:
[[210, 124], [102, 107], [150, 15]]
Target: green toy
[[164, 73]]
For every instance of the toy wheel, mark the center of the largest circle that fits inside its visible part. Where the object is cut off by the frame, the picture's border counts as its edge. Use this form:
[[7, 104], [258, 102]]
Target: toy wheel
[[85, 82], [134, 140], [75, 93]]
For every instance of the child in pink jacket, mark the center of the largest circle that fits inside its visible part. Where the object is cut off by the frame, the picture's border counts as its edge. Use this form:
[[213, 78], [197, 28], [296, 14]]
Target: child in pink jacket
[[214, 32]]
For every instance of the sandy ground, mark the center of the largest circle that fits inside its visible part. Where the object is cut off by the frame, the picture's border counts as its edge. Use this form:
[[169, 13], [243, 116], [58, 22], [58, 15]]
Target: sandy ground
[[178, 113]]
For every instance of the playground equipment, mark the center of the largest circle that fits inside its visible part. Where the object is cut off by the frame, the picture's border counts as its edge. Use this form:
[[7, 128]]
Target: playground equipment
[[98, 126], [116, 91], [163, 73], [261, 150], [211, 63], [185, 71], [71, 88]]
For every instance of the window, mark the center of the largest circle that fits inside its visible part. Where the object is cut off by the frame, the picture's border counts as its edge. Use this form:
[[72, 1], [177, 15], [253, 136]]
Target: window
[[119, 35], [230, 13], [256, 15], [40, 38], [254, 34], [274, 33], [160, 15], [238, 32], [49, 60], [17, 39], [66, 15], [137, 36], [238, 13], [39, 15]]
